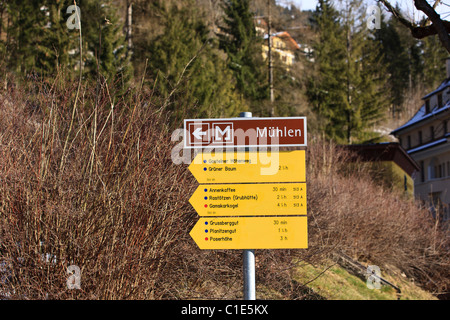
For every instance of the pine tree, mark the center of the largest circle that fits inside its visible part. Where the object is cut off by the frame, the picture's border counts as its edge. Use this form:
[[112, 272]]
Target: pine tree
[[56, 38], [104, 44], [348, 90], [365, 103], [326, 90], [433, 55], [187, 70], [403, 61], [244, 51], [26, 33], [373, 100], [40, 42]]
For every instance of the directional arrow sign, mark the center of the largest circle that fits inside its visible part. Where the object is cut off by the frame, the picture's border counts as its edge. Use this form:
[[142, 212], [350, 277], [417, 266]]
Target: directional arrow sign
[[242, 167], [198, 133], [245, 132], [251, 233], [250, 199]]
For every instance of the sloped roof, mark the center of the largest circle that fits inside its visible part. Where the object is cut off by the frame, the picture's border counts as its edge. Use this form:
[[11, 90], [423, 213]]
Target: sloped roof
[[260, 22], [428, 145], [285, 36], [421, 116], [389, 151], [442, 86]]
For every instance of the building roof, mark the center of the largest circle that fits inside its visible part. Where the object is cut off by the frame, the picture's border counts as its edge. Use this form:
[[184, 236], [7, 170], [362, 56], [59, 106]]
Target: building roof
[[429, 145], [442, 86], [422, 116], [390, 151], [261, 22], [286, 37]]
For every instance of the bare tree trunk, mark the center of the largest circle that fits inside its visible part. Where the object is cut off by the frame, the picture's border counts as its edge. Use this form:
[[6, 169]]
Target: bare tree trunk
[[129, 27]]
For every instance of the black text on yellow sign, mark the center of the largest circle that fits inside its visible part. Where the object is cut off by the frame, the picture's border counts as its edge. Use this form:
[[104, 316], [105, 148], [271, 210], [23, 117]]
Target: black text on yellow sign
[[246, 167], [251, 233], [250, 199]]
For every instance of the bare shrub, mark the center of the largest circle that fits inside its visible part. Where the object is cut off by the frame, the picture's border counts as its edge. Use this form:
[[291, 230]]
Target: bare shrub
[[104, 194], [111, 203], [349, 213]]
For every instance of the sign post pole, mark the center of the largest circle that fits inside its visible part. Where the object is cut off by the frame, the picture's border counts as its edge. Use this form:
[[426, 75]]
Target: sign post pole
[[247, 200], [249, 257], [249, 274]]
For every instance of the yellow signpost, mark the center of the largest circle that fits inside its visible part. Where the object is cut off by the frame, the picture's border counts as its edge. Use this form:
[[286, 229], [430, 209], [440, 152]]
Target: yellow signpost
[[251, 233], [250, 199], [244, 167]]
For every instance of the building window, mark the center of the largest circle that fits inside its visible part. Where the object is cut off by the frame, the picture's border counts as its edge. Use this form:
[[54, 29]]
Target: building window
[[445, 125], [438, 171], [432, 168], [439, 100], [448, 168], [420, 138], [427, 106], [422, 171], [409, 142], [432, 133]]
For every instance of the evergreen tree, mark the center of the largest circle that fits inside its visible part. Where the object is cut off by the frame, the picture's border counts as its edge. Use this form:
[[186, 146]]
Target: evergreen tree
[[104, 43], [434, 70], [365, 101], [25, 35], [40, 42], [287, 87], [372, 98], [403, 61], [348, 89], [244, 51], [187, 70], [56, 38], [326, 90]]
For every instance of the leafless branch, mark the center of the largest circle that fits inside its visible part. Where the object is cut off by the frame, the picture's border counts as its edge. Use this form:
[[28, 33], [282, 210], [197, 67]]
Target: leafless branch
[[438, 26]]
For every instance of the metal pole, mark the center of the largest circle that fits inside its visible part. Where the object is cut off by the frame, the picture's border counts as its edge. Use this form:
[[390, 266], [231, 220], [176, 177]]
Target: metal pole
[[248, 256], [269, 44], [249, 274]]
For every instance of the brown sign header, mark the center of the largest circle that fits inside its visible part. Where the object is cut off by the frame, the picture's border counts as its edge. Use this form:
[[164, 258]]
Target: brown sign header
[[245, 132]]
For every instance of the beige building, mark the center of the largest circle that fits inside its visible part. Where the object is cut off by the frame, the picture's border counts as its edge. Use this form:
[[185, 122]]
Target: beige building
[[282, 43], [426, 138]]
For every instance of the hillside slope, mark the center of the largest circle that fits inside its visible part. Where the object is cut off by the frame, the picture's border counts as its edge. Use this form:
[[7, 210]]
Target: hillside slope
[[336, 283]]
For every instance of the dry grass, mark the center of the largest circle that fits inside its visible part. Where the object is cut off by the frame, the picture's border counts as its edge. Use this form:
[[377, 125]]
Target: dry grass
[[113, 203], [353, 215]]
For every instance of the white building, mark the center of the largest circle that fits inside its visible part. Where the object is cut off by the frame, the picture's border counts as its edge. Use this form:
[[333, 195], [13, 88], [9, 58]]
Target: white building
[[426, 138]]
